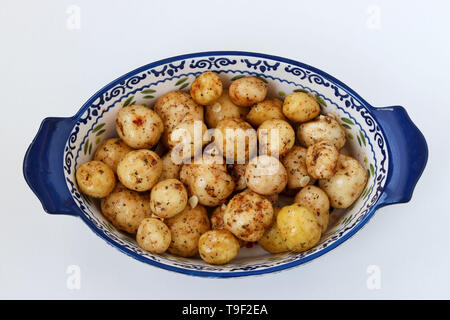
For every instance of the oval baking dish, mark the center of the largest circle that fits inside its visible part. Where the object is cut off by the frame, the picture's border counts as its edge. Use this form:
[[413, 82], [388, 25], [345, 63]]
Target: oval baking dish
[[384, 140]]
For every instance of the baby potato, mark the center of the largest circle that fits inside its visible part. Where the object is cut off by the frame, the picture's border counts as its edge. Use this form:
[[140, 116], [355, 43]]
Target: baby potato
[[170, 170], [188, 138], [173, 108], [272, 241], [139, 127], [299, 227], [247, 91], [125, 209], [321, 160], [247, 215], [111, 151], [266, 110], [236, 139], [295, 163], [139, 170], [168, 198], [95, 179], [218, 224], [324, 128], [221, 109], [276, 137], [300, 107], [237, 172], [273, 198], [265, 175], [347, 184], [317, 200], [206, 88], [211, 183], [218, 246], [153, 235], [186, 229]]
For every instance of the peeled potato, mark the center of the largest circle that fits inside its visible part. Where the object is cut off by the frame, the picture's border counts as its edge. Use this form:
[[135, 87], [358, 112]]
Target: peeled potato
[[299, 227], [96, 179], [218, 246]]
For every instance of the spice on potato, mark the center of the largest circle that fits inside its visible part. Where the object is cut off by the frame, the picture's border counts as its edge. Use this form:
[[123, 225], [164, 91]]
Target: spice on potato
[[272, 241], [95, 178], [111, 151], [247, 91], [265, 175], [153, 235], [321, 160], [300, 107], [206, 88], [266, 110], [218, 246], [295, 163], [317, 200], [168, 198]]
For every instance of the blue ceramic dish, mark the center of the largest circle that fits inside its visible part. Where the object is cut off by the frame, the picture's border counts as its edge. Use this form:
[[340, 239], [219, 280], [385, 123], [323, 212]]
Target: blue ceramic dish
[[385, 140]]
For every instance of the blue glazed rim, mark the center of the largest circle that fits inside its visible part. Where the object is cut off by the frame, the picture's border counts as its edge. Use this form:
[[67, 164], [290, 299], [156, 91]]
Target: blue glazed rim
[[383, 199]]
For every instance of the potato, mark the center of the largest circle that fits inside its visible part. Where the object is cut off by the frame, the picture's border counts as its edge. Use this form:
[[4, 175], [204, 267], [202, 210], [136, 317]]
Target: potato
[[272, 241], [247, 91], [237, 172], [317, 200], [347, 184], [173, 108], [206, 88], [168, 198], [299, 227], [95, 179], [223, 108], [139, 170], [111, 151], [236, 139], [170, 170], [273, 198], [324, 128], [265, 175], [266, 110], [276, 137], [295, 163], [218, 224], [153, 235], [321, 160], [186, 229], [247, 215], [300, 107], [188, 138], [125, 209], [211, 183], [139, 127], [218, 246]]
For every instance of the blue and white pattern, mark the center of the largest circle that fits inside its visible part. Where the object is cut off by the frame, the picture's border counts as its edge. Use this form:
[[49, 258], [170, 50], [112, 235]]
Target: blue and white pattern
[[146, 84]]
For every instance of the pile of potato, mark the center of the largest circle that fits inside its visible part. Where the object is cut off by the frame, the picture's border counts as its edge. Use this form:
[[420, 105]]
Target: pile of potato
[[213, 207]]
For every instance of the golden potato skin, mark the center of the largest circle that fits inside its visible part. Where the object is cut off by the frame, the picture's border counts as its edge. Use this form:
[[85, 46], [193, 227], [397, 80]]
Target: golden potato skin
[[186, 229], [212, 184], [247, 215], [139, 127], [221, 109], [317, 200], [272, 241], [321, 160], [324, 128], [299, 227], [265, 175], [168, 198], [269, 130], [265, 110], [125, 209], [95, 179], [347, 184], [153, 235], [188, 138], [170, 170], [300, 107], [232, 132], [206, 88], [247, 91], [295, 163], [139, 170], [218, 246], [111, 151]]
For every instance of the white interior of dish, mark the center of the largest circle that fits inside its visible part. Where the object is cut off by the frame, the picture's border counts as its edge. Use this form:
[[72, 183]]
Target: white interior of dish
[[365, 142]]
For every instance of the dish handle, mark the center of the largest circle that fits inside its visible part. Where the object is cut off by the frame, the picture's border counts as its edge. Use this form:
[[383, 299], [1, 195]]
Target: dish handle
[[408, 154], [43, 166]]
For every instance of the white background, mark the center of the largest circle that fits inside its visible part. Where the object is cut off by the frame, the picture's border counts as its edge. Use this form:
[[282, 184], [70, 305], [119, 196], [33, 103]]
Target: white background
[[47, 69]]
